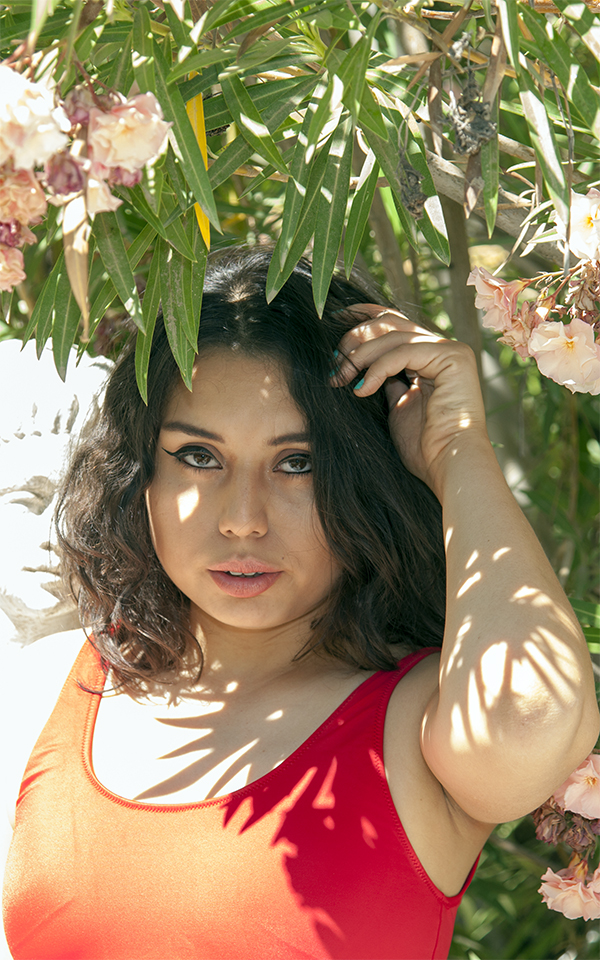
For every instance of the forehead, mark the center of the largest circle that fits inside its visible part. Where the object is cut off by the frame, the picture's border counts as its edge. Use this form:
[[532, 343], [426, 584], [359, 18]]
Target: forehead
[[233, 386]]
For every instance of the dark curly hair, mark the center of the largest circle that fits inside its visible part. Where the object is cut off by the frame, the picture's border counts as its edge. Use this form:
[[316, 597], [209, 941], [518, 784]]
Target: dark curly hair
[[381, 523]]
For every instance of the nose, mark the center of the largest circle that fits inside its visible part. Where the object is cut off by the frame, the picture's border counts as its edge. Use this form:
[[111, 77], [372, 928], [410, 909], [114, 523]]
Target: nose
[[243, 510]]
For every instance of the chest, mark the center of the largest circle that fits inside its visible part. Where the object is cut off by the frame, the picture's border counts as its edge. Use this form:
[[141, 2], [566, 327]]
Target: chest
[[202, 747]]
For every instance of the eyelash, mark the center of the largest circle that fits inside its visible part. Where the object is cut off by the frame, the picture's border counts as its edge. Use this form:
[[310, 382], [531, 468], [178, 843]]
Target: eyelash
[[180, 455]]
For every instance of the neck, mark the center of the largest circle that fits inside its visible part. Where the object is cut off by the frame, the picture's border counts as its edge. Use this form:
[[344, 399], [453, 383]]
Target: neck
[[252, 657]]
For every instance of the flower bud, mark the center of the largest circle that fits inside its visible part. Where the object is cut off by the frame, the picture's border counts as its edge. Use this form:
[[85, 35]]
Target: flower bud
[[64, 174]]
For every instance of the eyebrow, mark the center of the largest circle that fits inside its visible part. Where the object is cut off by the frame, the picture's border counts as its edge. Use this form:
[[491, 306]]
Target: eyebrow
[[179, 426]]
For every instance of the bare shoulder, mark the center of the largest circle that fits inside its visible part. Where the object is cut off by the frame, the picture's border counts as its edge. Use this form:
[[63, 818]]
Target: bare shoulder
[[33, 677], [444, 838]]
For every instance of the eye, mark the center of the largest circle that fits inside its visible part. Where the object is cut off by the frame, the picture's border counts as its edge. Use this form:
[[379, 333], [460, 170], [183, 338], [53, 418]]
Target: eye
[[196, 457], [296, 464]]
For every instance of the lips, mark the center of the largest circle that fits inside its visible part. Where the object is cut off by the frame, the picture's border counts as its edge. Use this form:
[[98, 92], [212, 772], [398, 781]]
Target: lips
[[244, 578]]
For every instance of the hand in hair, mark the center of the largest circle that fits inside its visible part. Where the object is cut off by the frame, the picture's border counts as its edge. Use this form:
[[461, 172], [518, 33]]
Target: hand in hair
[[442, 410]]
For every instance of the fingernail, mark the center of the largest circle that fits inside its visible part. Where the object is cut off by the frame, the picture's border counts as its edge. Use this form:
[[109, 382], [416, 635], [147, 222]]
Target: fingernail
[[332, 373], [360, 384], [336, 353]]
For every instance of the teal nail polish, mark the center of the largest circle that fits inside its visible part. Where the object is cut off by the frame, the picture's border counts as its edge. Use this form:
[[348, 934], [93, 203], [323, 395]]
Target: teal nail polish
[[360, 383], [336, 353], [332, 373]]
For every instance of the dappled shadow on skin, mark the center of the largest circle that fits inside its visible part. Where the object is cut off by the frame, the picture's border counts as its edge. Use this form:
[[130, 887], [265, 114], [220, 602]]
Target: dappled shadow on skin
[[516, 681]]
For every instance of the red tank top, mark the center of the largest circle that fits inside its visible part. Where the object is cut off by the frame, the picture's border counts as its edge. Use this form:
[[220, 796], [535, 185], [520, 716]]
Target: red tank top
[[309, 861]]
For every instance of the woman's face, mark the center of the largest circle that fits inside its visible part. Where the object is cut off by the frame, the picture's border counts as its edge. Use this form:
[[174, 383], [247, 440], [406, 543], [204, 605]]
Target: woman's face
[[231, 505]]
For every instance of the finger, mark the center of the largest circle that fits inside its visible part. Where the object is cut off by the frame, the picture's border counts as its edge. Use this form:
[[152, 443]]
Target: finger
[[364, 355]]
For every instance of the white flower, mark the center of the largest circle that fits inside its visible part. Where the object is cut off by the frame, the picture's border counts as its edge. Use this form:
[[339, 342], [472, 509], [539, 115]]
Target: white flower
[[568, 355], [32, 128], [584, 239], [129, 135], [99, 198]]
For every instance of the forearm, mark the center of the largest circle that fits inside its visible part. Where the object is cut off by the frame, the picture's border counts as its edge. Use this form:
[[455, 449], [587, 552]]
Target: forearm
[[516, 694]]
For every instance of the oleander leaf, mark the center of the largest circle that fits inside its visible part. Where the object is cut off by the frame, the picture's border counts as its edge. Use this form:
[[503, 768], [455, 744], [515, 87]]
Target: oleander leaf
[[150, 305], [362, 202], [331, 211], [116, 263], [249, 121]]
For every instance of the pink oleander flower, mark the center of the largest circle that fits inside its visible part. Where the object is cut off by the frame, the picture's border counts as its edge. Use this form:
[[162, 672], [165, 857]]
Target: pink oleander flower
[[32, 128], [21, 197], [568, 354], [581, 791], [129, 135], [11, 267], [15, 234], [64, 174], [567, 893], [99, 198], [518, 334], [125, 178], [584, 239], [496, 297]]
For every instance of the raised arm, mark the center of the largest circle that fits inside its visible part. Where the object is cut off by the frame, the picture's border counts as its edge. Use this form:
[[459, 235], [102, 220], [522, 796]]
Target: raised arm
[[515, 711]]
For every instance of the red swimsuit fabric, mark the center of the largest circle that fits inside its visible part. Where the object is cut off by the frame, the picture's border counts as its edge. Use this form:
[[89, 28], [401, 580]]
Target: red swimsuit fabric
[[309, 861]]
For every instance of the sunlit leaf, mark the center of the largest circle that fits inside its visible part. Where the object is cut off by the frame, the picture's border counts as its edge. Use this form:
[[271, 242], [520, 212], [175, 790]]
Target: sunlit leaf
[[114, 257], [142, 52], [249, 121], [544, 144], [65, 324], [362, 202], [557, 54], [193, 163], [278, 274], [172, 300], [150, 305], [331, 211]]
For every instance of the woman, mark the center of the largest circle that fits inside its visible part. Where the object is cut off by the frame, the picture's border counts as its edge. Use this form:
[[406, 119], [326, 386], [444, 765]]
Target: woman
[[284, 764]]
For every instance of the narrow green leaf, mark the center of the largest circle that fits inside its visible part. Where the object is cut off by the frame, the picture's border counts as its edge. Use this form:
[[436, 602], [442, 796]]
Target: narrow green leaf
[[490, 171], [354, 67], [176, 287], [249, 121], [584, 22], [107, 293], [121, 75], [171, 231], [558, 56], [370, 114], [237, 152], [510, 31], [222, 13], [295, 190], [116, 263], [150, 305], [183, 352], [362, 202], [193, 164], [263, 95], [387, 155], [327, 100], [200, 61], [544, 144], [277, 274], [65, 325], [331, 212], [588, 613], [40, 10], [432, 224], [179, 29], [143, 49], [40, 321]]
